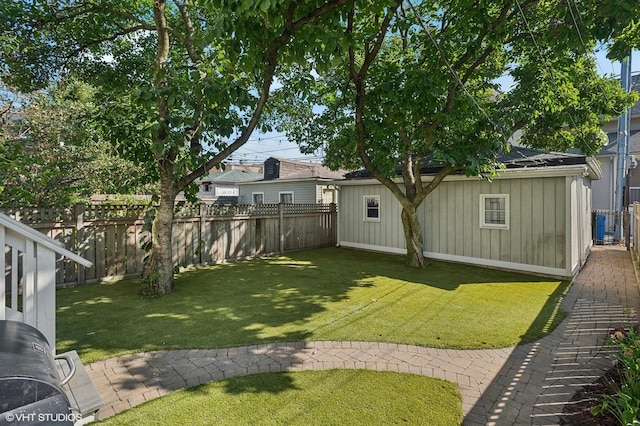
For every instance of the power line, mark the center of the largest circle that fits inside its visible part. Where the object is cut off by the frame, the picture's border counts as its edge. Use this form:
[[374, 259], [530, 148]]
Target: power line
[[268, 153], [544, 61], [451, 70], [260, 138], [575, 22], [271, 150]]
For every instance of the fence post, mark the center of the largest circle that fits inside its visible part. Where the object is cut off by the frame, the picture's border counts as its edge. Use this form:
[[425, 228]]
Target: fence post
[[334, 224], [627, 228], [203, 229], [281, 226], [78, 211]]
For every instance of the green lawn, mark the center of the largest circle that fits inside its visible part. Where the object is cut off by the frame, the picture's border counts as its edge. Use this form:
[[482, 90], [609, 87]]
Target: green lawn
[[333, 397], [320, 294]]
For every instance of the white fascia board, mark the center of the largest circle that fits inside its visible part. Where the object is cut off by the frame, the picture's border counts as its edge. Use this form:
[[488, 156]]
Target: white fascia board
[[369, 247], [595, 171], [511, 266], [520, 173], [527, 173], [277, 181], [498, 264]]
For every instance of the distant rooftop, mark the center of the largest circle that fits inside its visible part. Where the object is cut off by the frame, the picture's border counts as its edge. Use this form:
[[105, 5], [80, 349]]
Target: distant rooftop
[[290, 169], [231, 176], [612, 147]]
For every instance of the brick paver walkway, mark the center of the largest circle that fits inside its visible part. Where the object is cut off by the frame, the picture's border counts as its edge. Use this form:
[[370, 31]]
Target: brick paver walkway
[[528, 384], [540, 378]]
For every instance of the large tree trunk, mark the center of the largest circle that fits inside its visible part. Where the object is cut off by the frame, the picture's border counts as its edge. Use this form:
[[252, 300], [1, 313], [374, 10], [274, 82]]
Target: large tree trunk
[[157, 275], [413, 237]]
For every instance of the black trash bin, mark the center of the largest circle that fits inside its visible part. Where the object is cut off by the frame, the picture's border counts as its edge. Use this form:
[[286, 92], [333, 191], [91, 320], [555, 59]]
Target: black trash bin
[[30, 386]]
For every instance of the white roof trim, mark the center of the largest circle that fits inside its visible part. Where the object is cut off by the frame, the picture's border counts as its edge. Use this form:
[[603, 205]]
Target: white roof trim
[[531, 172], [518, 173], [30, 233], [595, 171], [289, 180]]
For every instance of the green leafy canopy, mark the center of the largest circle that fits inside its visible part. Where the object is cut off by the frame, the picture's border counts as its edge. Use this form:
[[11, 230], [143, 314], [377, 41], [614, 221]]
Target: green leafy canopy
[[432, 88]]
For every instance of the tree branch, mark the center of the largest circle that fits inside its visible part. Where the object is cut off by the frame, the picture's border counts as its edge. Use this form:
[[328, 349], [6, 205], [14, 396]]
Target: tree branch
[[162, 55], [187, 41], [271, 56], [118, 12], [382, 34], [439, 177], [360, 86], [112, 37], [352, 54]]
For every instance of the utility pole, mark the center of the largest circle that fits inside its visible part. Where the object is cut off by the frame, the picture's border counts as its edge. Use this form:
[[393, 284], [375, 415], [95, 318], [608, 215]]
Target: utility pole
[[623, 149]]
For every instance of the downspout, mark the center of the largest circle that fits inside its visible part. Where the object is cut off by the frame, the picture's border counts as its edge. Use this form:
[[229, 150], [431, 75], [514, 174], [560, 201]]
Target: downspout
[[612, 179], [623, 148]]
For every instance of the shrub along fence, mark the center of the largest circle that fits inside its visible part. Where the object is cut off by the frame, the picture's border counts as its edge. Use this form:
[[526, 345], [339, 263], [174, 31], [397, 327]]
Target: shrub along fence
[[111, 236]]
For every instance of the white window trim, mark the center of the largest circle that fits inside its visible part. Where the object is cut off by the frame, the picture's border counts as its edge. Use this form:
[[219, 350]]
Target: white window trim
[[366, 207], [507, 211], [253, 197], [281, 193]]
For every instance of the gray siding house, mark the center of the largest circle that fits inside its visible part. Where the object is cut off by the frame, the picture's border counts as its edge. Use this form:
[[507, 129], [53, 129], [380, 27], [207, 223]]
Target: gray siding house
[[604, 189], [291, 182], [535, 217], [222, 187]]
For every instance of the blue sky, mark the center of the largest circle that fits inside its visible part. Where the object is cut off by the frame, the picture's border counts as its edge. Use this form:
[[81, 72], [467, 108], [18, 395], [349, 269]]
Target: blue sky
[[262, 146]]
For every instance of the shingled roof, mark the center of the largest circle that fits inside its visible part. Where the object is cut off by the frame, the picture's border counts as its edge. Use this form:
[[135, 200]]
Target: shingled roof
[[517, 157], [290, 169], [232, 176], [612, 147]]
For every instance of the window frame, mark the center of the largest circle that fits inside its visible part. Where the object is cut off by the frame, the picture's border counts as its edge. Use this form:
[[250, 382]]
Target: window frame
[[483, 212], [253, 197], [365, 205], [281, 193]]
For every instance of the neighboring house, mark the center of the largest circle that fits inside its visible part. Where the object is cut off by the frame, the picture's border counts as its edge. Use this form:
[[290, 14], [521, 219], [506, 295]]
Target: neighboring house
[[604, 191], [292, 182], [222, 188], [604, 197], [534, 217]]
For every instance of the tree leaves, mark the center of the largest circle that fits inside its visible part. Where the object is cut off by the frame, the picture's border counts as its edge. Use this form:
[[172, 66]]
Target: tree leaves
[[54, 153]]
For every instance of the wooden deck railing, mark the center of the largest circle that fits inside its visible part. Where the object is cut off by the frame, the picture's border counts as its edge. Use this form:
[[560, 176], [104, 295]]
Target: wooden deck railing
[[30, 272]]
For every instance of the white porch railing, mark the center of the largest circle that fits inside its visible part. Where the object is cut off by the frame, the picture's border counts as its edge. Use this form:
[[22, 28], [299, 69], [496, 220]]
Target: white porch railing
[[30, 258]]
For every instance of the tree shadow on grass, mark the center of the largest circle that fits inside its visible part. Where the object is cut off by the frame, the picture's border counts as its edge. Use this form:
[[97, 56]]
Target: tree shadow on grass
[[243, 303], [246, 303], [258, 383], [223, 306]]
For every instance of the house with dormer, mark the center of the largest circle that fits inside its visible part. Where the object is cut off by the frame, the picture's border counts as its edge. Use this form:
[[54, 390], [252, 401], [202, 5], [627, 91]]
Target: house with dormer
[[223, 187], [291, 182]]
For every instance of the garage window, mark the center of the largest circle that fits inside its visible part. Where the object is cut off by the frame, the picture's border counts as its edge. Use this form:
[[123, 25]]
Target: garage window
[[372, 208], [494, 211]]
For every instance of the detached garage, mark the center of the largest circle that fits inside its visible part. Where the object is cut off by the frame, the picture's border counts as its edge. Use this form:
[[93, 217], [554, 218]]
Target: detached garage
[[535, 217]]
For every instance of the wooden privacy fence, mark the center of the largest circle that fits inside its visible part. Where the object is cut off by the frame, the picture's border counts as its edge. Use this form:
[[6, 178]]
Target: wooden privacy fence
[[111, 236]]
